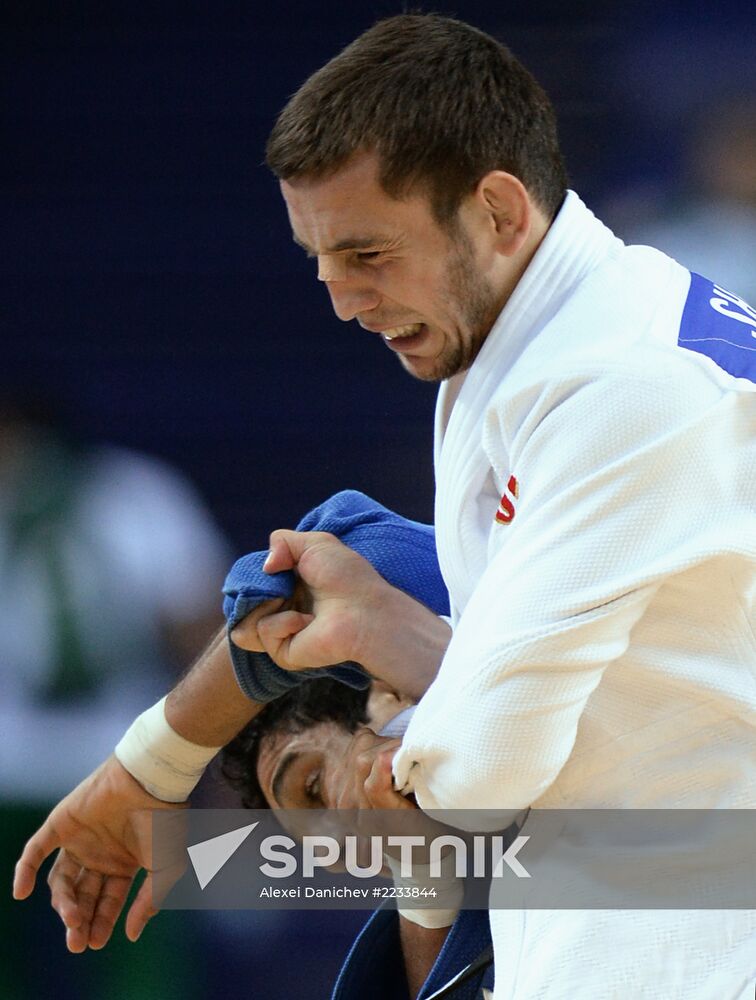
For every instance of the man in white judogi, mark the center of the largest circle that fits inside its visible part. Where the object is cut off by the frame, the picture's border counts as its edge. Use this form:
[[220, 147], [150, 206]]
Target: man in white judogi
[[596, 464]]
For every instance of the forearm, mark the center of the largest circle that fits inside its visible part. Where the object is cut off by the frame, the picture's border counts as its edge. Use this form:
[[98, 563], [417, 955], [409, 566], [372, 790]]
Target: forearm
[[207, 706], [403, 642], [420, 949]]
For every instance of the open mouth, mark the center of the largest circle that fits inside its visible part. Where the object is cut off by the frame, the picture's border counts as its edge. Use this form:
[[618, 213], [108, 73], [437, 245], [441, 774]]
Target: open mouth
[[405, 339], [400, 332]]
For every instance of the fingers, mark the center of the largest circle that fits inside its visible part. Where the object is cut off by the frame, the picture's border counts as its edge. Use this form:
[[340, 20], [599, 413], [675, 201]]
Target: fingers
[[245, 634], [112, 896], [86, 888], [74, 892], [367, 781], [287, 548], [276, 633], [77, 940], [141, 911], [267, 632], [37, 848], [337, 585], [379, 784], [63, 896], [88, 902]]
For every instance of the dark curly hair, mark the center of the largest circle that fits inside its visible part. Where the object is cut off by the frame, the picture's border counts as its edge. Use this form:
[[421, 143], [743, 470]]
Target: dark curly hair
[[322, 699]]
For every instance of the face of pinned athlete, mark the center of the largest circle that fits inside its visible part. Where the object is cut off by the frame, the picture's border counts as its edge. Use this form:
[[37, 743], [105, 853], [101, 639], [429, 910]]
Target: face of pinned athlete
[[427, 290], [304, 770]]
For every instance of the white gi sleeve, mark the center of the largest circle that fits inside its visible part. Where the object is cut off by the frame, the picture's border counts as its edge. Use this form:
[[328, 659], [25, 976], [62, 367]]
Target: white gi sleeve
[[623, 481]]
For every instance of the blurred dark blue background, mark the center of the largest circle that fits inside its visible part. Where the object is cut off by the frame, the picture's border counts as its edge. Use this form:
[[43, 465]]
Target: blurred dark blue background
[[150, 286], [148, 275]]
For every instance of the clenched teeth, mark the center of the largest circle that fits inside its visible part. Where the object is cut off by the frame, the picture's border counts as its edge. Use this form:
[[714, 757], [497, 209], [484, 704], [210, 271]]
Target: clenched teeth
[[402, 331]]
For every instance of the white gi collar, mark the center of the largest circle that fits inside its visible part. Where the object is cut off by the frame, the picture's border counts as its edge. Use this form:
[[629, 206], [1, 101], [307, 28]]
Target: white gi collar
[[574, 246]]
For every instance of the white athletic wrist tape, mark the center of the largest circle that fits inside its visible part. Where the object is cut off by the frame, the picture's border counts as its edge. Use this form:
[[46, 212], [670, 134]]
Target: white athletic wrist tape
[[442, 908], [164, 763]]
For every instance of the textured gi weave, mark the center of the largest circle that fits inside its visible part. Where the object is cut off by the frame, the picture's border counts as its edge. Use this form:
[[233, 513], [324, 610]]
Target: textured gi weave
[[603, 652]]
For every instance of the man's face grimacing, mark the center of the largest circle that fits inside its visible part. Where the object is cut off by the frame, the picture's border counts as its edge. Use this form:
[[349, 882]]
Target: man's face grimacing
[[432, 292], [305, 769]]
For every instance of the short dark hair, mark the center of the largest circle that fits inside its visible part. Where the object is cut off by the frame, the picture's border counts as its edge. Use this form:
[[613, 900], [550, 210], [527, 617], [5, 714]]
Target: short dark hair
[[440, 102], [322, 699]]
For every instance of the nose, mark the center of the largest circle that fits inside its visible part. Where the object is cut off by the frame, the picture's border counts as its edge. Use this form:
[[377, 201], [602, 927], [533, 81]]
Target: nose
[[348, 303], [351, 296]]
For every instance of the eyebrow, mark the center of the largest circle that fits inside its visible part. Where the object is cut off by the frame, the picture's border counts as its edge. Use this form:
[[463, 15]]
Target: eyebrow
[[348, 243], [278, 777]]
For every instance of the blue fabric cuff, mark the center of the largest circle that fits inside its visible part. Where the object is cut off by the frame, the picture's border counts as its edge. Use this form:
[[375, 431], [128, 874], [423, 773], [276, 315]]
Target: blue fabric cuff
[[402, 551]]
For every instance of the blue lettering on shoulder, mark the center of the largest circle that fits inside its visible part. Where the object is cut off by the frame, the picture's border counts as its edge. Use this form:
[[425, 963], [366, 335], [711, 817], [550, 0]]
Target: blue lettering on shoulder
[[720, 325]]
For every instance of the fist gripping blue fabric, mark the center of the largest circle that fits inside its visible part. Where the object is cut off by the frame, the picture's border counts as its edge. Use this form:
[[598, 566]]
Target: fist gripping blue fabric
[[402, 551]]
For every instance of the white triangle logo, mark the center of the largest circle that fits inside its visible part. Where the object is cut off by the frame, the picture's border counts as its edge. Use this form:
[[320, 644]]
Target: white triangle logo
[[209, 856]]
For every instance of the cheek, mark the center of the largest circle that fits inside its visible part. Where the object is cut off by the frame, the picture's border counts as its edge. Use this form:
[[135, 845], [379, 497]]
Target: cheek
[[417, 287], [336, 770]]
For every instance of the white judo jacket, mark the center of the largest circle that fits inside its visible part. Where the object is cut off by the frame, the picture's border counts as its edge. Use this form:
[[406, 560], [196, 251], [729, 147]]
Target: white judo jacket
[[596, 528]]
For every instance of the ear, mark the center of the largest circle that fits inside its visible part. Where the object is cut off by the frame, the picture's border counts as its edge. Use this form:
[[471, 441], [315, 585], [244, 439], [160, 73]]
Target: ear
[[383, 690], [508, 209], [384, 702]]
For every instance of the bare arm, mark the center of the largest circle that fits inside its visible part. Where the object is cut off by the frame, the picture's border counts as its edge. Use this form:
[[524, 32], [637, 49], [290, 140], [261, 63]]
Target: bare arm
[[102, 830], [207, 706]]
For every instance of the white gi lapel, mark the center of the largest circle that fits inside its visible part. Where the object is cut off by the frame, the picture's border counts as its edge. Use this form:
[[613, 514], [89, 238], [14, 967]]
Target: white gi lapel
[[464, 486], [470, 483]]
